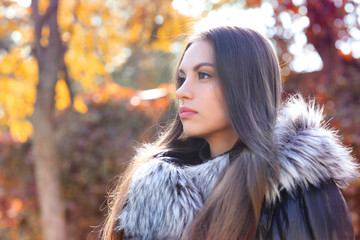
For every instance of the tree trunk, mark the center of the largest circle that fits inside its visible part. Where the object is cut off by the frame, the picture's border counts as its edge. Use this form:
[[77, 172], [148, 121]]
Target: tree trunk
[[49, 53], [48, 178]]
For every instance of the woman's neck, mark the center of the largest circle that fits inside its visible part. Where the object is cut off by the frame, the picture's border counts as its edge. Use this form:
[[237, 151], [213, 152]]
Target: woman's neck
[[223, 143]]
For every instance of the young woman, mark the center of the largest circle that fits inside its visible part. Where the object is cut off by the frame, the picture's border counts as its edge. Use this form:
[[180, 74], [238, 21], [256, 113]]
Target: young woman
[[235, 163]]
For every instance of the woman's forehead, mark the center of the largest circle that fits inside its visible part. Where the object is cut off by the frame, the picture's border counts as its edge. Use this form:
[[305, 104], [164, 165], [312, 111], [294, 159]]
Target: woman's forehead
[[198, 52]]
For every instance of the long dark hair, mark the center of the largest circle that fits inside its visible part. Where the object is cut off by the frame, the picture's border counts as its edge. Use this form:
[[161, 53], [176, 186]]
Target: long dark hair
[[250, 79]]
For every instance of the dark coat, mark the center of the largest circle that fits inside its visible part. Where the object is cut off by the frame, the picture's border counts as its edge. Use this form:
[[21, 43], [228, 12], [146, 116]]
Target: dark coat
[[315, 213], [167, 191]]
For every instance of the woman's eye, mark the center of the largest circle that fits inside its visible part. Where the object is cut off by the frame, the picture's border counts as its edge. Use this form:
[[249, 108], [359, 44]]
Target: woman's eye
[[203, 75], [181, 80]]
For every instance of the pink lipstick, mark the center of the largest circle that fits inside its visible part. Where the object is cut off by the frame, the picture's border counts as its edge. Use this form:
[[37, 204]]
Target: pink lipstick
[[186, 112]]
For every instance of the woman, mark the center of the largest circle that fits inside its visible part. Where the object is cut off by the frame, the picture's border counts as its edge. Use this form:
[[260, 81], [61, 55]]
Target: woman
[[235, 164]]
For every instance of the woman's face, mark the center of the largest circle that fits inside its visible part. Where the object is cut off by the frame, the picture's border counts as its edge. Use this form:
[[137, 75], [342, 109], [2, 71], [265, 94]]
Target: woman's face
[[202, 107]]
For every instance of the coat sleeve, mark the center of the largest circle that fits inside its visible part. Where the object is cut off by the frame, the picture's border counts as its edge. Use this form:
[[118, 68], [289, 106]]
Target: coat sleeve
[[316, 213]]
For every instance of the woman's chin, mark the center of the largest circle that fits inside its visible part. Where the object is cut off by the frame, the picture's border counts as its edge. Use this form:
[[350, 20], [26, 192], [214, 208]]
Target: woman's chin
[[192, 133]]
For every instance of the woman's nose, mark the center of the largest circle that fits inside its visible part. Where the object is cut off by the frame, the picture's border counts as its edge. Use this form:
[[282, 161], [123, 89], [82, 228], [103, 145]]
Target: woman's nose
[[184, 91]]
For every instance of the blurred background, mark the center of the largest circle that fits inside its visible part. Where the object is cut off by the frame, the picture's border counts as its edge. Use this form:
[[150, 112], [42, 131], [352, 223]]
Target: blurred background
[[84, 81]]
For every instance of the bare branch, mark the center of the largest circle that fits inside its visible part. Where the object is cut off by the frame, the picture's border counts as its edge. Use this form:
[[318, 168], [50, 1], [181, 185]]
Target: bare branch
[[52, 8], [68, 83], [38, 27], [35, 9]]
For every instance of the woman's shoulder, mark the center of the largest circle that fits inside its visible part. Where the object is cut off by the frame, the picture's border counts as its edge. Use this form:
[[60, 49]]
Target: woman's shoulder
[[309, 151], [304, 201], [316, 212]]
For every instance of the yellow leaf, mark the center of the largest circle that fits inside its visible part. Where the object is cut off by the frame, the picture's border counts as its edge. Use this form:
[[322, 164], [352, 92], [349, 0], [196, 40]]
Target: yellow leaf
[[21, 129], [16, 106], [79, 105], [89, 42], [43, 5], [96, 64], [3, 118], [134, 33], [8, 64], [83, 13], [62, 95], [28, 71], [65, 14], [45, 31], [27, 35]]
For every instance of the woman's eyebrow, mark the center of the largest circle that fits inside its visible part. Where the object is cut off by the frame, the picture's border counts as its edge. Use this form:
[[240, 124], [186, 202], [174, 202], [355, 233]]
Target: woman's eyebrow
[[197, 66]]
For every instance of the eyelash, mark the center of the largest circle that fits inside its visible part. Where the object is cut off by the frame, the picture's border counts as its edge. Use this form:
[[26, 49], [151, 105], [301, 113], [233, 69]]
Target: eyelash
[[204, 74], [201, 75], [180, 80]]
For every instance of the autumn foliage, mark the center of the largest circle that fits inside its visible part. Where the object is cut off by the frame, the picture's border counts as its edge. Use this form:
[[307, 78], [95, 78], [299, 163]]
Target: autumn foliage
[[112, 53]]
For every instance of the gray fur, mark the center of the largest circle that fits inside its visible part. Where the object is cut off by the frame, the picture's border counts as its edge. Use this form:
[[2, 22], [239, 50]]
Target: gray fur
[[164, 198], [309, 152]]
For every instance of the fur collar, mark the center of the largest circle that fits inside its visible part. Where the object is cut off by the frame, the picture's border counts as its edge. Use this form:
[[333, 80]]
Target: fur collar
[[309, 152], [164, 198]]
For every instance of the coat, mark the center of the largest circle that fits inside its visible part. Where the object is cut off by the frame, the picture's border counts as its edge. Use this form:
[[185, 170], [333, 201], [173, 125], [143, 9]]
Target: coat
[[165, 195]]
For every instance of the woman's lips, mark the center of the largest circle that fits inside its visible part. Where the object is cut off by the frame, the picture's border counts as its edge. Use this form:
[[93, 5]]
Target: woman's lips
[[186, 112]]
